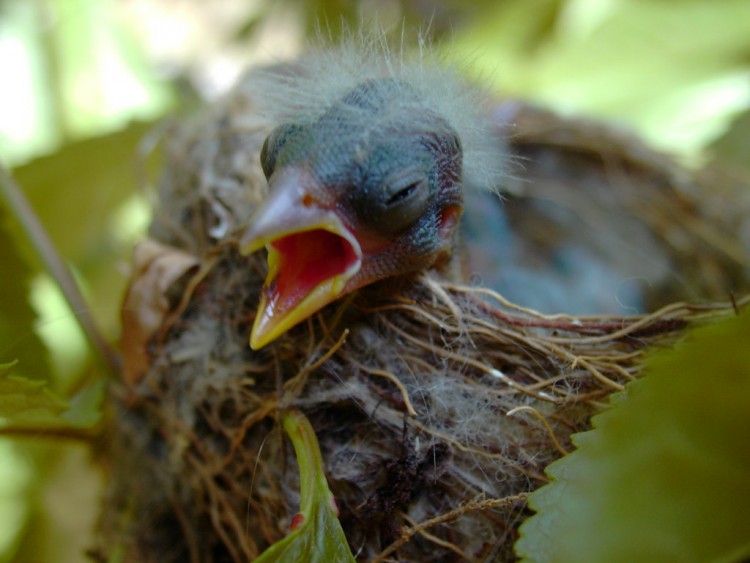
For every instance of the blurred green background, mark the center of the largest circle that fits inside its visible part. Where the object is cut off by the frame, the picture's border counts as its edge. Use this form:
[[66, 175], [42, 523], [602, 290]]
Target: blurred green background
[[86, 83]]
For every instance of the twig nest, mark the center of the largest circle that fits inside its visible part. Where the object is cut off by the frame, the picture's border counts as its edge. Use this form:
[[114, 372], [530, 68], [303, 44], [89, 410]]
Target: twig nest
[[437, 404]]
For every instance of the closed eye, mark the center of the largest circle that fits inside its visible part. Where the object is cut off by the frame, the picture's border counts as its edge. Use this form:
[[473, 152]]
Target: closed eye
[[404, 193]]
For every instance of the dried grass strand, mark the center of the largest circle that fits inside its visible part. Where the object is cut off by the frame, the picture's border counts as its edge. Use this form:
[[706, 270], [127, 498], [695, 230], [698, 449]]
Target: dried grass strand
[[408, 533]]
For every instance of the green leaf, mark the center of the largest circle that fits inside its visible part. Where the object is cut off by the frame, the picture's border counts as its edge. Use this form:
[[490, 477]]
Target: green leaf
[[76, 190], [665, 474], [85, 406], [317, 533], [80, 193], [27, 401], [30, 401], [17, 318]]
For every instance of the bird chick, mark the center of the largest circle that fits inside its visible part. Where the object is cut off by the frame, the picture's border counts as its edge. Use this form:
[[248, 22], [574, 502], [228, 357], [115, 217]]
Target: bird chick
[[365, 174]]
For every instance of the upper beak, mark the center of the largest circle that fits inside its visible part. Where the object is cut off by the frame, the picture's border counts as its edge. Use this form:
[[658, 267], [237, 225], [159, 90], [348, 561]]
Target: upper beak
[[311, 255]]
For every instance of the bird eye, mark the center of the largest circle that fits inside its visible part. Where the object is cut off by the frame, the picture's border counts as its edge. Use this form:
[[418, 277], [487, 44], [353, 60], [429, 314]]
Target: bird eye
[[405, 199], [273, 144], [404, 193], [266, 162]]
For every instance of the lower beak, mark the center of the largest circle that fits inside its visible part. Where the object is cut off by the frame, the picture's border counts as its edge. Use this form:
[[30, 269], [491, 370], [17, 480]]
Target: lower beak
[[311, 257]]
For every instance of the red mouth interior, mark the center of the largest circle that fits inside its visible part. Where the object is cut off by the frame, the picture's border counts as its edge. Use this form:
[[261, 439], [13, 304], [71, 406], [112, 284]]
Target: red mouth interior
[[307, 259]]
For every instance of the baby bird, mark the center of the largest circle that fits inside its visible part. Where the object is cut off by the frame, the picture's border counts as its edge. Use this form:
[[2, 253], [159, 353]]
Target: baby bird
[[366, 170]]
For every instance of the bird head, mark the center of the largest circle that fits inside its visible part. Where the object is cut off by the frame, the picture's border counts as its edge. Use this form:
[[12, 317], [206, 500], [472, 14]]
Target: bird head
[[367, 189]]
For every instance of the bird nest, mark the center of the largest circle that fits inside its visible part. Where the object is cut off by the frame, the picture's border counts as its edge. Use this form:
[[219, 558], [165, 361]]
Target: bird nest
[[437, 403]]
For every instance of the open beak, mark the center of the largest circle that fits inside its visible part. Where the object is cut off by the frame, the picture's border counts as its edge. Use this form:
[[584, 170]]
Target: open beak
[[311, 256]]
